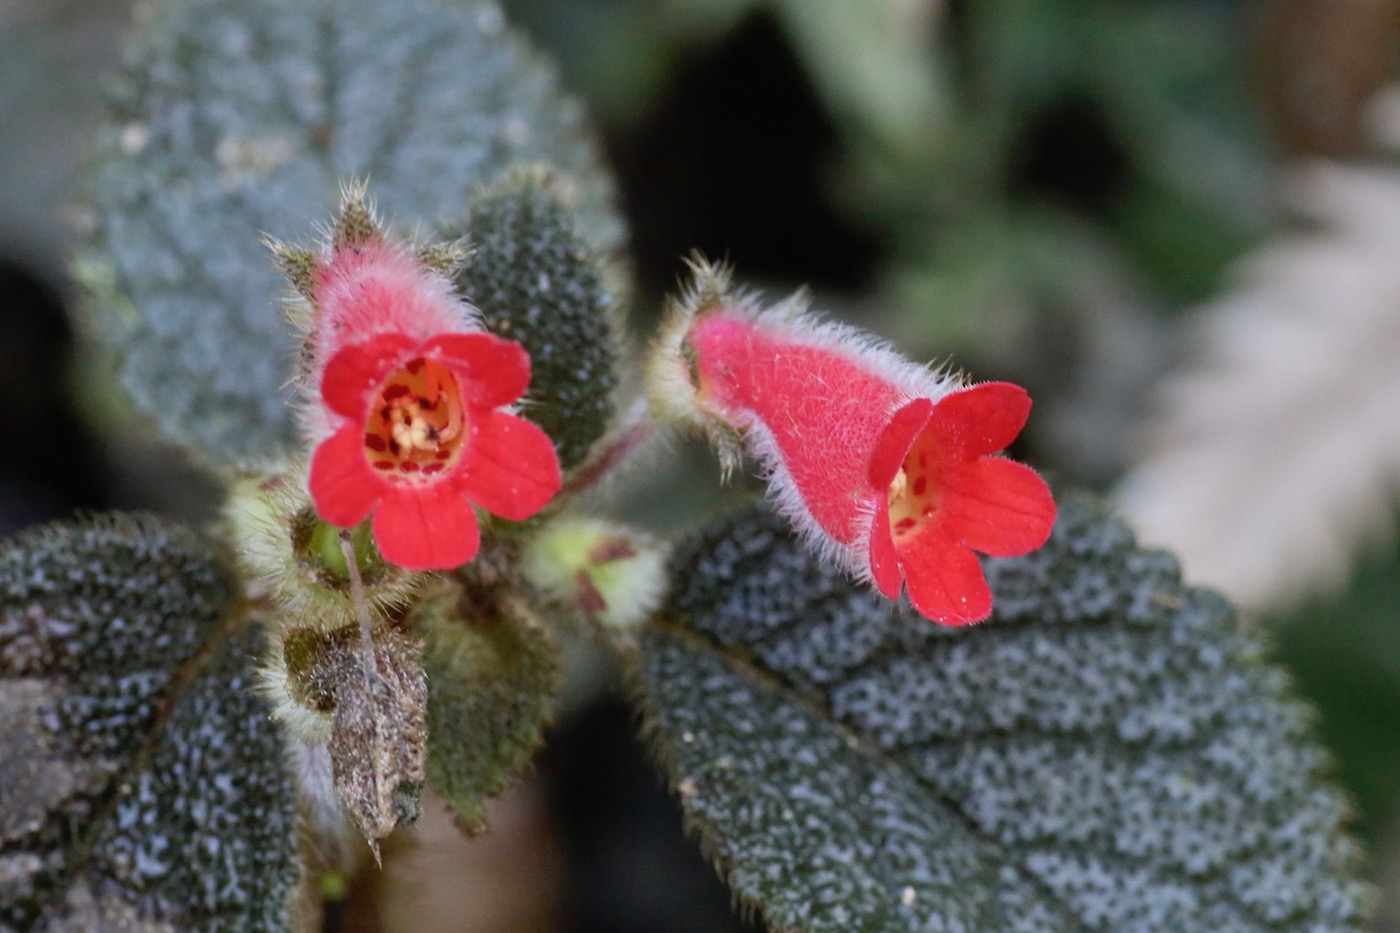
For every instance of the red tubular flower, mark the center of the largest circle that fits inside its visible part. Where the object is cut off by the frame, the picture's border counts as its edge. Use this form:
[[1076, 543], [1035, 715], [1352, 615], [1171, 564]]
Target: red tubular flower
[[423, 439], [888, 467], [410, 423]]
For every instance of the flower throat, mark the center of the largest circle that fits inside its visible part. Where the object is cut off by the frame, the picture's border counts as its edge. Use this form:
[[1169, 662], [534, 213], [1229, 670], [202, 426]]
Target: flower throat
[[417, 427]]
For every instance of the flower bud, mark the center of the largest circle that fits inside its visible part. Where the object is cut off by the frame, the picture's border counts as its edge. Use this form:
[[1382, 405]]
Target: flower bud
[[612, 574]]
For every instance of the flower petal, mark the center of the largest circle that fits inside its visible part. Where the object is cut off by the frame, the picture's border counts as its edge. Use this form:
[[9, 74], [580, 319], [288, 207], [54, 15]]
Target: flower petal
[[945, 580], [357, 370], [895, 440], [998, 507], [884, 560], [342, 485], [494, 371], [510, 468], [427, 528], [981, 419]]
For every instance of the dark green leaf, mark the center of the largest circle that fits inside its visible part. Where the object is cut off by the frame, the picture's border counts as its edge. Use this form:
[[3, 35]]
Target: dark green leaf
[[536, 281], [1108, 753], [143, 784], [493, 674], [238, 119]]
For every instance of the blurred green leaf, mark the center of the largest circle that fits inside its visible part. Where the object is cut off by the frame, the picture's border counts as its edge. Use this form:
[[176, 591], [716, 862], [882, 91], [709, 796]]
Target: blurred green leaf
[[875, 63], [1345, 651], [1109, 752], [1176, 242], [1185, 183]]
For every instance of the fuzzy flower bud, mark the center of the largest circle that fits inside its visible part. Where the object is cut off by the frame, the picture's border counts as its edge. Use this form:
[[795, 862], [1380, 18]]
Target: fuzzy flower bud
[[605, 571], [885, 466]]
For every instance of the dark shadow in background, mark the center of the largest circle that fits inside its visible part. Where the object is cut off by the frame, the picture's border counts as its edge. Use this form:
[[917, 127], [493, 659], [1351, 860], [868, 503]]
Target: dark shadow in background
[[730, 162], [50, 464]]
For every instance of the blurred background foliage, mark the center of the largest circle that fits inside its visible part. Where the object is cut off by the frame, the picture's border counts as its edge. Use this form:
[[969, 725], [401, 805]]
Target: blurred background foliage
[[1177, 222]]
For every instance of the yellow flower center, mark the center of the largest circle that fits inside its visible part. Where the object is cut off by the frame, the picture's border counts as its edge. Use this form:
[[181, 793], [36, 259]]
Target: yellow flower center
[[418, 426], [912, 494]]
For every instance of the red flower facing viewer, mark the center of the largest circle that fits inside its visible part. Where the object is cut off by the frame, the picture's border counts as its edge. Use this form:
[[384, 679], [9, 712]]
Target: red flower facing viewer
[[412, 423], [887, 467]]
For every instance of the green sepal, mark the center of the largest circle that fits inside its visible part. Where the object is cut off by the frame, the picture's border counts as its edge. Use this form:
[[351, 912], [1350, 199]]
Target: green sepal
[[290, 554]]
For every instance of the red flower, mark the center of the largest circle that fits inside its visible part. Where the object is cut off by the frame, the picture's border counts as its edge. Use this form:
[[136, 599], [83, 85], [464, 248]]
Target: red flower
[[407, 414], [886, 466], [946, 496], [422, 438]]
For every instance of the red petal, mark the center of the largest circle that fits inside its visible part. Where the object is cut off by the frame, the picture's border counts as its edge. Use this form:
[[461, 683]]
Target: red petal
[[357, 370], [884, 560], [496, 372], [895, 440], [997, 506], [342, 485], [981, 419], [427, 528], [945, 580], [510, 468]]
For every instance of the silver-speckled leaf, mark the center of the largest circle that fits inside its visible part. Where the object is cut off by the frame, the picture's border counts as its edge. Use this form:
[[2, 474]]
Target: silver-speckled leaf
[[232, 120], [1109, 752], [143, 785]]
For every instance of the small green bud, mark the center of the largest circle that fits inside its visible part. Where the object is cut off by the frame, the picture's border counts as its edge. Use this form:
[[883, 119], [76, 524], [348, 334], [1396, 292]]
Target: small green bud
[[316, 544], [610, 573], [334, 886]]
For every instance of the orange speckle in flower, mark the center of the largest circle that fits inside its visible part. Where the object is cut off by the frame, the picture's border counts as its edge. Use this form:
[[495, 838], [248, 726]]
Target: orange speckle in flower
[[417, 422]]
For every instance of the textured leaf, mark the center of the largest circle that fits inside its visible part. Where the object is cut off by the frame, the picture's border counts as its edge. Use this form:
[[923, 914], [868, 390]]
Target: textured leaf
[[238, 119], [142, 783], [536, 281], [493, 674], [1108, 753]]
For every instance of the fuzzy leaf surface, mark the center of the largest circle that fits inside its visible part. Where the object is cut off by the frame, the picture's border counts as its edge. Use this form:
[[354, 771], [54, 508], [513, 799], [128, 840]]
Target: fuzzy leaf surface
[[494, 671], [142, 782], [536, 281], [237, 119], [1109, 752]]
